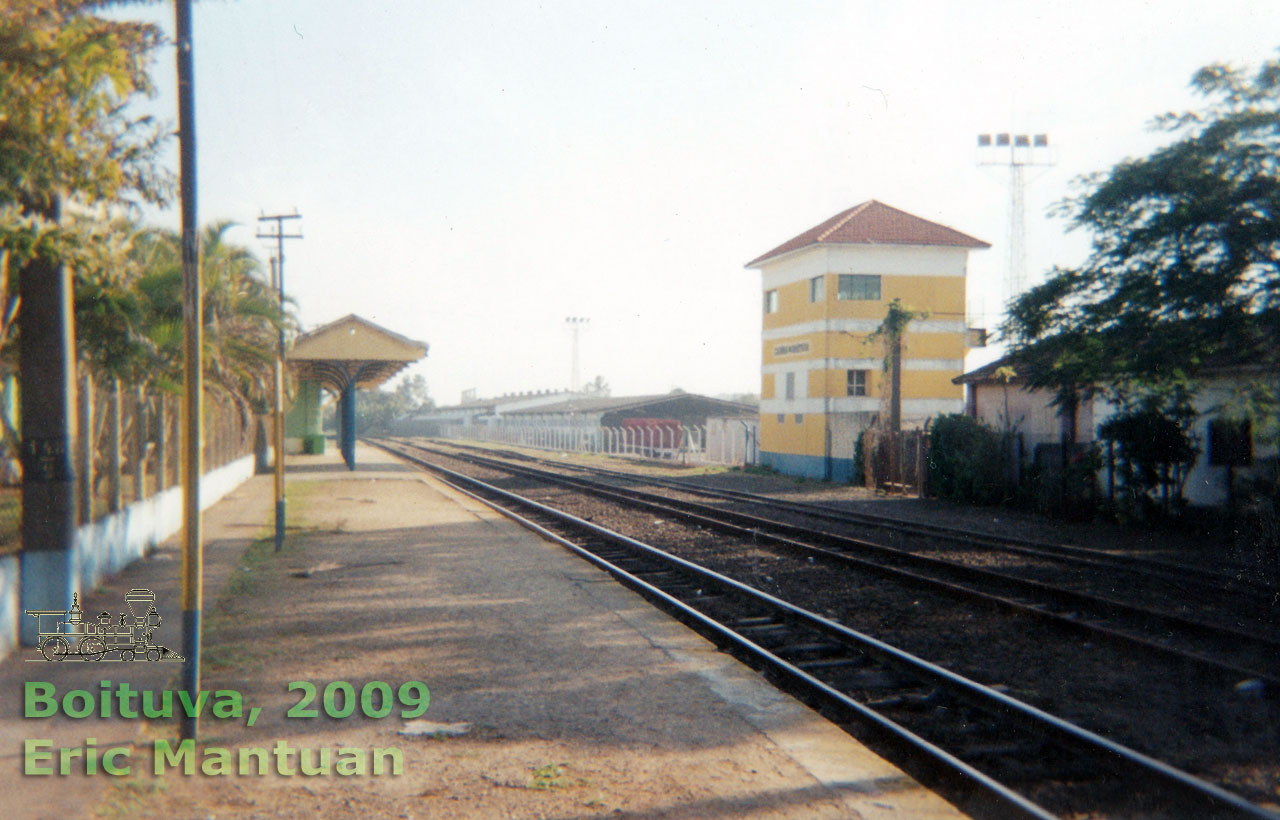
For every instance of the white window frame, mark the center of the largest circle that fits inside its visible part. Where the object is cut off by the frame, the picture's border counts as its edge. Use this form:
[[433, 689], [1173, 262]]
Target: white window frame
[[856, 287], [856, 380]]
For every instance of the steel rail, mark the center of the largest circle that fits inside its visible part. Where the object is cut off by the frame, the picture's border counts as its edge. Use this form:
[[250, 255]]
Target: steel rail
[[1116, 757], [761, 529], [1212, 580]]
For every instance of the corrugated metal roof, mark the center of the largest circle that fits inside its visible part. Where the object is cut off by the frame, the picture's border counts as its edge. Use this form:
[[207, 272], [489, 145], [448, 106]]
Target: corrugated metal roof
[[605, 405], [874, 223]]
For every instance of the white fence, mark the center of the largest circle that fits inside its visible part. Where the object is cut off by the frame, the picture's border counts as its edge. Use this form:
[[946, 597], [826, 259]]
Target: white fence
[[681, 444]]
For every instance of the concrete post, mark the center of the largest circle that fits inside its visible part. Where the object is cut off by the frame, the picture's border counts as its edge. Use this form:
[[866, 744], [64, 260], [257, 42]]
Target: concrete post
[[46, 365], [139, 444], [114, 499], [162, 442], [84, 449]]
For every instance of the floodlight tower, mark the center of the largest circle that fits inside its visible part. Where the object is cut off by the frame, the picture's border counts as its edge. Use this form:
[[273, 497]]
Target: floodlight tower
[[1024, 150], [575, 324]]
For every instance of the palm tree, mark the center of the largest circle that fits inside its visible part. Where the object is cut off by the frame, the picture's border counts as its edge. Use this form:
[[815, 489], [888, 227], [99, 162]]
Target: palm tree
[[241, 316]]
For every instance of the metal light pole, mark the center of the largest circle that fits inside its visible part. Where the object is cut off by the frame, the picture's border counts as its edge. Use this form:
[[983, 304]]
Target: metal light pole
[[277, 425], [1025, 150], [277, 282], [575, 324], [192, 406]]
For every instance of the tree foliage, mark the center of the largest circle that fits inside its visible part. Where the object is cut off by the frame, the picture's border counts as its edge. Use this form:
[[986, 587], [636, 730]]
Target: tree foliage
[[893, 327], [967, 460], [377, 408], [66, 76], [1185, 262], [1154, 449], [129, 318]]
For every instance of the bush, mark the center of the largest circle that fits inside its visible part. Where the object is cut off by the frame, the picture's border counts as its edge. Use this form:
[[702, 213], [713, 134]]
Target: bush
[[967, 460], [1154, 452]]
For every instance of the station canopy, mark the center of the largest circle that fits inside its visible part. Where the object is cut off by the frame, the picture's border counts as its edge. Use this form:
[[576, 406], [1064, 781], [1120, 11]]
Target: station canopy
[[352, 352]]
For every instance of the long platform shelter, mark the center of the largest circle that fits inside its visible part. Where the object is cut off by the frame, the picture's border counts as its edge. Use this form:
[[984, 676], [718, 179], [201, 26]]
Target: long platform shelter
[[345, 355]]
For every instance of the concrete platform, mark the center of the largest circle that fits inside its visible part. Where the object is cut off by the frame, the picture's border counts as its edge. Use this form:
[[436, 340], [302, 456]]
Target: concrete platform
[[579, 699]]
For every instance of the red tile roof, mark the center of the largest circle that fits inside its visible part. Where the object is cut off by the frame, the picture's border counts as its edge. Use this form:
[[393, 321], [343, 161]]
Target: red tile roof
[[874, 223]]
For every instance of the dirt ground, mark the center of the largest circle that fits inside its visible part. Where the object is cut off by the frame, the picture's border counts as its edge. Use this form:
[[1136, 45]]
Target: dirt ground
[[556, 712]]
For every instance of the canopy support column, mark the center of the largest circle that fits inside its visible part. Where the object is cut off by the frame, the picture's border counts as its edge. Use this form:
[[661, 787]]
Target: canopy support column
[[347, 429]]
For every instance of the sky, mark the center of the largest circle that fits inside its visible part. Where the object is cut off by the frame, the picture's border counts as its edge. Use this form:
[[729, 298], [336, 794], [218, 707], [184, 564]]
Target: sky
[[472, 173]]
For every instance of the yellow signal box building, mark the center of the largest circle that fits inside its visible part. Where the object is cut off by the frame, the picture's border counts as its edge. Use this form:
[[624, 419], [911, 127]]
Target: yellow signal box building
[[823, 381]]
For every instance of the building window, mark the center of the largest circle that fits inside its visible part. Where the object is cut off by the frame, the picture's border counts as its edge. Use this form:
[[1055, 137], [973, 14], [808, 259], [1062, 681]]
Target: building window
[[799, 418], [855, 382], [770, 301], [815, 289], [791, 386], [859, 286], [782, 417]]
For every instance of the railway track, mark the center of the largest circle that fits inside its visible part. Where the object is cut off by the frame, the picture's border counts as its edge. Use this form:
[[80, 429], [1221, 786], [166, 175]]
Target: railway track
[[1236, 657], [991, 754], [1254, 600]]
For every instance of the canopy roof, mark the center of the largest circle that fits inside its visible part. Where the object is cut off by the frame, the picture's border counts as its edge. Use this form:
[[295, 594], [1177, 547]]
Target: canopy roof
[[352, 351]]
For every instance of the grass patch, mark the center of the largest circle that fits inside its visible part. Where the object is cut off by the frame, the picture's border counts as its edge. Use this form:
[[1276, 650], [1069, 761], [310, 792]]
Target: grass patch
[[258, 572], [127, 797], [552, 776]]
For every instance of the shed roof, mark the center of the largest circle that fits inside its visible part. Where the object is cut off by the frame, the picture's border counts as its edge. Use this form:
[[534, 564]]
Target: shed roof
[[353, 349], [874, 223], [987, 373]]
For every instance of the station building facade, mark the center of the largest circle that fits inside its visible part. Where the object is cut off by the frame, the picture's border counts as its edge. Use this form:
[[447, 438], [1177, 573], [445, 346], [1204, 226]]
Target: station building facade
[[825, 292]]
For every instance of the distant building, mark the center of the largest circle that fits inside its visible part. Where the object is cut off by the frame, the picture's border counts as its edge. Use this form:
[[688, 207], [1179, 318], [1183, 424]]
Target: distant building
[[689, 409], [824, 292], [472, 411], [1000, 398]]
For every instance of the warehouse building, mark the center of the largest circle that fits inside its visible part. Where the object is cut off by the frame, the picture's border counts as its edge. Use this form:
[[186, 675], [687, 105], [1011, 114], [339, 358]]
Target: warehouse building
[[825, 292]]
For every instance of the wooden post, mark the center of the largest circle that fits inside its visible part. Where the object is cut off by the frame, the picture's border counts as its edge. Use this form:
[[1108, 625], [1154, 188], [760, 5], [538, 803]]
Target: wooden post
[[114, 498], [84, 449], [920, 474]]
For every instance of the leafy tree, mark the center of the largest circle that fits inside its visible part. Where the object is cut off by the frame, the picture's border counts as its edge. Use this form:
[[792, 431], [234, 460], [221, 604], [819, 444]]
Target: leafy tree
[[377, 408], [1185, 263], [65, 77], [412, 393], [598, 387], [890, 331], [241, 316]]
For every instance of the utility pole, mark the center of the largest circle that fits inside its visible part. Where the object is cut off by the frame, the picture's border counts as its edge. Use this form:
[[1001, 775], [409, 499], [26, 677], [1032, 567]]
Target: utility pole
[[277, 282], [193, 341]]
